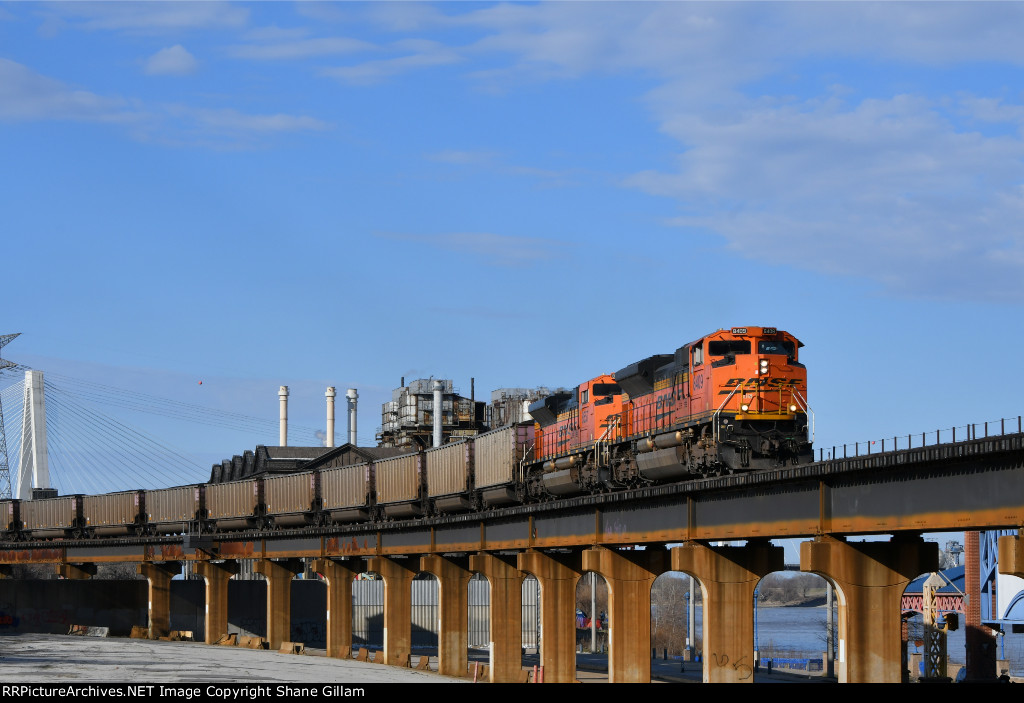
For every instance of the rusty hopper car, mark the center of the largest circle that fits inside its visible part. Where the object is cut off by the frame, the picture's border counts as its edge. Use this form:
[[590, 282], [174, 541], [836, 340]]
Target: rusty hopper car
[[235, 506], [173, 510], [400, 485], [115, 514], [499, 456], [450, 476], [53, 517], [347, 493], [291, 500]]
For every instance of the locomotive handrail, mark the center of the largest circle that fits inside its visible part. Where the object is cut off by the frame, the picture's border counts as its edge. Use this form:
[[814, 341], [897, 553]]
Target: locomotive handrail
[[807, 409], [714, 418]]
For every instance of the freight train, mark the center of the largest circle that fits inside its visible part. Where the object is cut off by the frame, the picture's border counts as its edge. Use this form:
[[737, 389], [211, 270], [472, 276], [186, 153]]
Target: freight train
[[732, 401]]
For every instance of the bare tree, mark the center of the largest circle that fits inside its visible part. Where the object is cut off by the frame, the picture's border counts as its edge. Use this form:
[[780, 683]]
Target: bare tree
[[120, 571], [669, 613]]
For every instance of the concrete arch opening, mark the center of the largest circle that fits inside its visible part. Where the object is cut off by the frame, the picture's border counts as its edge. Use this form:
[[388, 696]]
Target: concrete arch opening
[[512, 614], [793, 629], [934, 632], [592, 613], [557, 572], [677, 611]]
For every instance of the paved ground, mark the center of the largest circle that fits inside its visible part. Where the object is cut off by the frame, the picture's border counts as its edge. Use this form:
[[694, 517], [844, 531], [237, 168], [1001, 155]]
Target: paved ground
[[60, 658]]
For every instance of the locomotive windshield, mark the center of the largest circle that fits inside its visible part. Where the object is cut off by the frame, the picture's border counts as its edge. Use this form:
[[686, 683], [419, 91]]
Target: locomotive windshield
[[729, 346], [773, 347]]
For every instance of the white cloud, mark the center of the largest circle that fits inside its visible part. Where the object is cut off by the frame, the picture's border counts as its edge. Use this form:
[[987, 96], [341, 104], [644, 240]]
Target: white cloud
[[300, 48], [172, 61], [889, 188], [227, 120], [26, 95], [886, 189], [425, 54], [148, 17]]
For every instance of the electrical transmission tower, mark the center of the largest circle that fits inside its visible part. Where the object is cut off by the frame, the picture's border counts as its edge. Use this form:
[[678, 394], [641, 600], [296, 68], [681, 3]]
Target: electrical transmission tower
[[5, 470]]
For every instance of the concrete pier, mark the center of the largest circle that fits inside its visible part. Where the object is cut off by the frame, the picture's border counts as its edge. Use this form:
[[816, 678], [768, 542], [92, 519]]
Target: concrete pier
[[630, 575], [216, 575], [870, 578], [728, 576], [279, 574], [397, 575], [506, 614], [453, 577], [338, 577], [159, 576]]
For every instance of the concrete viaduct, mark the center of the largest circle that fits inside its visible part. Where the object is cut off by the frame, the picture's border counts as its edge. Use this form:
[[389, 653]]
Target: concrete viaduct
[[627, 538]]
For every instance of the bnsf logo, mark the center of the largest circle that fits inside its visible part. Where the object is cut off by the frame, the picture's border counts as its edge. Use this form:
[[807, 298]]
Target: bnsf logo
[[769, 383]]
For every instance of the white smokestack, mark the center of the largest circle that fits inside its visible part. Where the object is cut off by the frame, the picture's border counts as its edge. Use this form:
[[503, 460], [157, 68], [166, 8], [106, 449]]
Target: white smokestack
[[438, 398], [352, 396], [329, 393], [282, 393]]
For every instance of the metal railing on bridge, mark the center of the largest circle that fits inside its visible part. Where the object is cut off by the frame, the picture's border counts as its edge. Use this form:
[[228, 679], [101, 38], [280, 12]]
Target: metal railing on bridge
[[959, 433]]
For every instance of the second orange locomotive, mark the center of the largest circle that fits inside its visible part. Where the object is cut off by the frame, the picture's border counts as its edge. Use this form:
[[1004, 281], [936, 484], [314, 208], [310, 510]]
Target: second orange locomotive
[[733, 400]]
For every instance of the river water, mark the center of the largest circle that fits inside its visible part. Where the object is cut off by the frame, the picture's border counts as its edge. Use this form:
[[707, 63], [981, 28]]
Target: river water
[[799, 632]]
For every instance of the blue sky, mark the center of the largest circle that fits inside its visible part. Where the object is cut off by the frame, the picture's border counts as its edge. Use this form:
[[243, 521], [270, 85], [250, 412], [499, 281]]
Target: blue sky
[[316, 194]]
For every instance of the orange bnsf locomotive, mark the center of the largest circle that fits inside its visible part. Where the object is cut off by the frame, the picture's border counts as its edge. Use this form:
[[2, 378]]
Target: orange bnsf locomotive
[[734, 400]]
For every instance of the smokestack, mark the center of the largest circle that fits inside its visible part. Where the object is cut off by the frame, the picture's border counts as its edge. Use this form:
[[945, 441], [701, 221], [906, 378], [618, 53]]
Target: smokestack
[[438, 404], [352, 397], [329, 394], [282, 393]]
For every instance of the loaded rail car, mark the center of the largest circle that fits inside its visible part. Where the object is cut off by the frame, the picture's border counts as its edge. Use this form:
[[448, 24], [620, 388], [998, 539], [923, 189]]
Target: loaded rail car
[[400, 486], [10, 519], [291, 500], [53, 518], [347, 493], [175, 510], [450, 476], [115, 514], [499, 457], [237, 505]]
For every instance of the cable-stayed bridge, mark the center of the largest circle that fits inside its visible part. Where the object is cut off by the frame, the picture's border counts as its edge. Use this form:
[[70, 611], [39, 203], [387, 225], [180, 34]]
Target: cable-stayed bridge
[[91, 448]]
